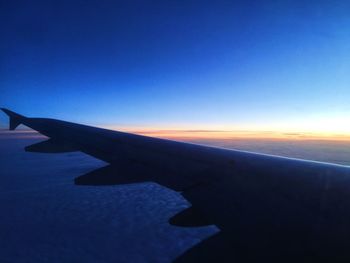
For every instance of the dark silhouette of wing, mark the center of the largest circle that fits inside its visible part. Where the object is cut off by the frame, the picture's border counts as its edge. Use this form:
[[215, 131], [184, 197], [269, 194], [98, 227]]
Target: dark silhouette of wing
[[267, 207]]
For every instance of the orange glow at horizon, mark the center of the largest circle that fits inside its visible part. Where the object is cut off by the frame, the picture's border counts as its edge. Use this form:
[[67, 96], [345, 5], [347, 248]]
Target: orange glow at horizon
[[309, 128], [194, 134], [236, 134]]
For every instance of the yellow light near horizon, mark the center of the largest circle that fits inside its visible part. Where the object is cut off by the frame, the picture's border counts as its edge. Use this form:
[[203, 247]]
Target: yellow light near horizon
[[316, 126], [239, 134], [313, 129]]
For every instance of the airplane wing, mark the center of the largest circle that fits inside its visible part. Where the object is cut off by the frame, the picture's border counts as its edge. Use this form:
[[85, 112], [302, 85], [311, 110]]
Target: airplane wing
[[266, 207]]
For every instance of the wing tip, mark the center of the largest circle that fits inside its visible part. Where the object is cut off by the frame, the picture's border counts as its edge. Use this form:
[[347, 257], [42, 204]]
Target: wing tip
[[11, 113], [15, 119], [8, 112]]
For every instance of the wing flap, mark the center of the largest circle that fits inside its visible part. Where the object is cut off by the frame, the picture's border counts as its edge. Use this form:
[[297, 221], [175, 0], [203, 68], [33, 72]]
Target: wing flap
[[189, 217], [50, 146], [112, 175], [131, 171]]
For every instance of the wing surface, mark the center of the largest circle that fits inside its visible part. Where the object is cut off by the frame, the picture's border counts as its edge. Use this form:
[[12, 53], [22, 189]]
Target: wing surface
[[267, 207]]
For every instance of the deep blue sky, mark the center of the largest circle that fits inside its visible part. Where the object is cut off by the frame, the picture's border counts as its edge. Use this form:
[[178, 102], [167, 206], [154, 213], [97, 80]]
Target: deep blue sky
[[179, 64]]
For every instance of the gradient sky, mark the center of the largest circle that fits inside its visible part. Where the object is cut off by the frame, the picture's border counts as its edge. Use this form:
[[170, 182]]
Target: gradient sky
[[254, 65]]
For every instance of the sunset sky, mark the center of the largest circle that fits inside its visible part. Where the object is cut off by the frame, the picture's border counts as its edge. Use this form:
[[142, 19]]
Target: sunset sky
[[250, 67]]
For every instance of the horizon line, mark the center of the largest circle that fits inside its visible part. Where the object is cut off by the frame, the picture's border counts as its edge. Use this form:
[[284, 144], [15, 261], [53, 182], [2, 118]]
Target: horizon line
[[212, 134]]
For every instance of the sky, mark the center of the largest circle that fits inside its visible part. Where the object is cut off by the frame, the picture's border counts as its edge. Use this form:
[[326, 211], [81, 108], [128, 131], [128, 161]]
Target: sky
[[188, 65]]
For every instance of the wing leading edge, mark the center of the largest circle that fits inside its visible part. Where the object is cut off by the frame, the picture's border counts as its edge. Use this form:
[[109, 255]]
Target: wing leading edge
[[266, 207]]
